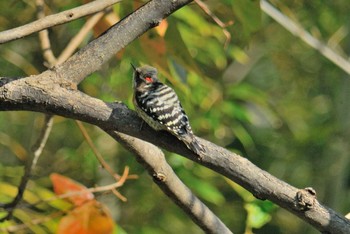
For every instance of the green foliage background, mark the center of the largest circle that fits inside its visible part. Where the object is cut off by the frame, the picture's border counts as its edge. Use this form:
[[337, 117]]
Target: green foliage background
[[267, 96]]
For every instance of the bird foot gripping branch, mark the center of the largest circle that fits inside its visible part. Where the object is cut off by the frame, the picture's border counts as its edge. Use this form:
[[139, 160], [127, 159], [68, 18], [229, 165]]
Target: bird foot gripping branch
[[159, 106]]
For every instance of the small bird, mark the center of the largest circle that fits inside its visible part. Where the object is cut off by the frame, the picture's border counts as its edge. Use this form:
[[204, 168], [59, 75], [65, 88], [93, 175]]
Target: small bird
[[159, 106]]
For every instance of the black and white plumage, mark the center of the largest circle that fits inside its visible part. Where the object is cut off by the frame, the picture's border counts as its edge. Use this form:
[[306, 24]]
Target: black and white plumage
[[159, 106]]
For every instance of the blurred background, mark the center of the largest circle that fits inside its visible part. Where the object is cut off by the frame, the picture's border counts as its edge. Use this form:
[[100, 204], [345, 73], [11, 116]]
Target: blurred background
[[251, 87]]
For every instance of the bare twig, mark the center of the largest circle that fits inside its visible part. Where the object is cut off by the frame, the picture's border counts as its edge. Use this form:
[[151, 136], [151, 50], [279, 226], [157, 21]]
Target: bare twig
[[95, 151], [300, 32], [223, 26], [19, 61], [119, 195], [44, 36], [56, 19], [104, 188], [42, 139]]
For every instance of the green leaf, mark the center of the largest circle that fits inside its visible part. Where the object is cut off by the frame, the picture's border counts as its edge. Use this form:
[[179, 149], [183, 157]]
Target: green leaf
[[249, 14], [178, 48], [256, 216]]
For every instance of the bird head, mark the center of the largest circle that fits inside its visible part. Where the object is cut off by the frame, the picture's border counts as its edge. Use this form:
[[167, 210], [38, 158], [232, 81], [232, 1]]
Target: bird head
[[144, 76]]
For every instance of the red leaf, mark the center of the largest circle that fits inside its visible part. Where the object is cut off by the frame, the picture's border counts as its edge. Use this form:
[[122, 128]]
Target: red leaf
[[63, 185]]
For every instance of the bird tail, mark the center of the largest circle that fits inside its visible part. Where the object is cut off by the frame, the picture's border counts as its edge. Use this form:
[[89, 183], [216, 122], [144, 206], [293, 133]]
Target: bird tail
[[196, 147], [193, 144]]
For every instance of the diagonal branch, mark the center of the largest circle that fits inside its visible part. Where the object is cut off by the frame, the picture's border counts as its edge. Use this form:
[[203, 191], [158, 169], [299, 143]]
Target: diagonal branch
[[304, 35], [91, 58], [56, 19], [152, 158]]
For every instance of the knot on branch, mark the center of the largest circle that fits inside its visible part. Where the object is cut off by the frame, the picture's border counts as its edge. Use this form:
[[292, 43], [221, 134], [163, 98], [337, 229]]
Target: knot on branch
[[159, 176], [69, 15], [68, 85], [305, 199], [155, 23]]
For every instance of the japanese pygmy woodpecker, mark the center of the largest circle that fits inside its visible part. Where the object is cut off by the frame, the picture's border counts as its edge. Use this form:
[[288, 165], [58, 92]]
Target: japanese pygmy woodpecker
[[159, 106]]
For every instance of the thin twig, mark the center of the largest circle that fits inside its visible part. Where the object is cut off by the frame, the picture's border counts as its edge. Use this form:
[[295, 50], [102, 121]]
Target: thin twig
[[95, 151], [20, 61], [300, 32], [56, 19], [42, 139], [223, 26], [119, 195], [44, 36], [104, 188]]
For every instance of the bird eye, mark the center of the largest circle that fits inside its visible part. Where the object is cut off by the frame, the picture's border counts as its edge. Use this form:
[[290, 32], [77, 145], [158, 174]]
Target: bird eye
[[149, 79]]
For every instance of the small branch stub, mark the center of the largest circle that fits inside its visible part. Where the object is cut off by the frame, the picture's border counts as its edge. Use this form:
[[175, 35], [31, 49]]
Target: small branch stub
[[158, 176], [305, 199]]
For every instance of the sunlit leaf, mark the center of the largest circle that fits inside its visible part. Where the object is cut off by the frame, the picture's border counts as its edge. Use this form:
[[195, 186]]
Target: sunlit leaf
[[27, 217], [162, 27], [48, 196], [256, 216], [177, 47]]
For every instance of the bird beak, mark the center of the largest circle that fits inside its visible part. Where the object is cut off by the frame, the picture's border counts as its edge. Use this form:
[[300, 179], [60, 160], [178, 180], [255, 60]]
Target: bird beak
[[133, 67]]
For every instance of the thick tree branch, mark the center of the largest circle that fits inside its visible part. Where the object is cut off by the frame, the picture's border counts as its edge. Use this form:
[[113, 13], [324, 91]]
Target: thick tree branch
[[152, 158], [56, 19], [45, 93]]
